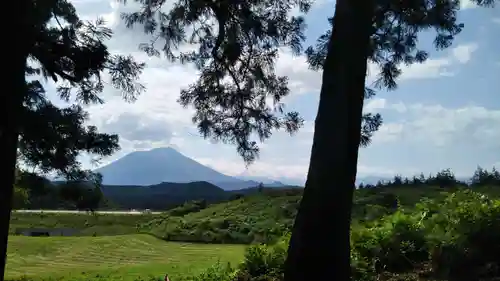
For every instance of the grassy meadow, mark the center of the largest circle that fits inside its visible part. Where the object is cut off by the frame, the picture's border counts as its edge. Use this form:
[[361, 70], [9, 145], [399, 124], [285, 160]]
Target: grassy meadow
[[86, 224], [120, 257]]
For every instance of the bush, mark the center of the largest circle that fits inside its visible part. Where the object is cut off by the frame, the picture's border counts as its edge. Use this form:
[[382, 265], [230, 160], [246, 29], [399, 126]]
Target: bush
[[394, 244], [264, 262], [465, 237], [188, 207], [218, 272], [457, 239]]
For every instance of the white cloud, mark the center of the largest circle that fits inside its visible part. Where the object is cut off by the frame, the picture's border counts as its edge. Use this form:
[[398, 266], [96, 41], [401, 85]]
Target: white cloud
[[264, 169], [444, 66], [467, 4], [463, 53], [375, 104], [438, 125]]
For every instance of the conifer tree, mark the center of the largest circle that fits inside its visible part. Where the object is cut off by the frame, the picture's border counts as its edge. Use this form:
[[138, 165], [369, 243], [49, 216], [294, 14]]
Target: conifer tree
[[53, 42]]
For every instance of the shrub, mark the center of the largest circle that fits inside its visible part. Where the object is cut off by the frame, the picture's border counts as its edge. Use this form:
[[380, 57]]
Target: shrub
[[264, 262], [457, 237], [217, 272], [465, 236], [396, 243]]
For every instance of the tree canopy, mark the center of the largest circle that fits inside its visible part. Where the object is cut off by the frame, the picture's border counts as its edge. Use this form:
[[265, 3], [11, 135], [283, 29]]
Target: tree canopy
[[59, 46], [238, 95], [74, 55]]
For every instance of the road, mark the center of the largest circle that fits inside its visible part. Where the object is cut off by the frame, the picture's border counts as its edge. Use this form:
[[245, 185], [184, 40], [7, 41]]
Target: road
[[132, 212]]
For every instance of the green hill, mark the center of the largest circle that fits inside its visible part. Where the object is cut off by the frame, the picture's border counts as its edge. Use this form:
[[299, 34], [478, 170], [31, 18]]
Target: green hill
[[266, 216], [253, 218]]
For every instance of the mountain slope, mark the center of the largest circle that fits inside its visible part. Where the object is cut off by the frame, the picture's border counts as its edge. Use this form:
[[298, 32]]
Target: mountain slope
[[156, 166], [142, 168]]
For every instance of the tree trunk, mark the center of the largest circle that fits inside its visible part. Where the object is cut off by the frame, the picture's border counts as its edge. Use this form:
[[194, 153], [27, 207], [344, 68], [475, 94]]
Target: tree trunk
[[320, 243], [10, 108]]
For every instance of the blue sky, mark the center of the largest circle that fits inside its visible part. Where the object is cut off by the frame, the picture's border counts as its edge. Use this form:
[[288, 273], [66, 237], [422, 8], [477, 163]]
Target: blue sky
[[444, 114]]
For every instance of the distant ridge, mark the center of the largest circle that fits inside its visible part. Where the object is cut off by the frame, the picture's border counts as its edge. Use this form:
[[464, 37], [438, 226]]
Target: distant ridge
[[164, 195]]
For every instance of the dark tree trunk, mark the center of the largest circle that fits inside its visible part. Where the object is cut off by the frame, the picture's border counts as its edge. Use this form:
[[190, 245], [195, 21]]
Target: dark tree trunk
[[320, 243], [10, 108]]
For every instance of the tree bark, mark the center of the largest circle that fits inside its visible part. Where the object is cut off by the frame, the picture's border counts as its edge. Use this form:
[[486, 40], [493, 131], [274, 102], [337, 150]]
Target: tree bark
[[10, 108], [320, 244]]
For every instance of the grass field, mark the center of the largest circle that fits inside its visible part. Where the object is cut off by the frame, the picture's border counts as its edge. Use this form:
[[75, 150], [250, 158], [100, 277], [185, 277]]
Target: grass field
[[87, 224], [123, 257]]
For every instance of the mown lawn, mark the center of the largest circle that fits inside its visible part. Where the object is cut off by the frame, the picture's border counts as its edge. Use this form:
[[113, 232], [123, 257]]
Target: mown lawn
[[124, 257], [86, 224]]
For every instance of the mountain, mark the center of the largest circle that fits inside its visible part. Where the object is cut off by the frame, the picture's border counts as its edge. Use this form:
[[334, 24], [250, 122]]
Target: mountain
[[143, 168]]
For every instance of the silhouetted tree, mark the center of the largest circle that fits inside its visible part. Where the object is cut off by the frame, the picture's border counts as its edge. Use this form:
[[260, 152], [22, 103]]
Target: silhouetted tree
[[236, 65], [398, 180], [445, 178], [406, 181], [419, 180], [55, 43], [20, 197], [316, 58], [484, 177], [82, 194], [383, 32], [235, 56], [260, 188]]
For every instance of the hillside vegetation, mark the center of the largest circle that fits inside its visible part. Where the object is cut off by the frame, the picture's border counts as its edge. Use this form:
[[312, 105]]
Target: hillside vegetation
[[253, 218], [454, 239], [267, 215]]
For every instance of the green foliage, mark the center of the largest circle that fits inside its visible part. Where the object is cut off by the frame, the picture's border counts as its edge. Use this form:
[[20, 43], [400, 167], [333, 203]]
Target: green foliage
[[435, 238], [464, 232], [456, 238], [394, 243], [217, 272], [452, 239], [72, 53], [483, 177], [20, 197], [189, 207], [262, 217], [264, 263]]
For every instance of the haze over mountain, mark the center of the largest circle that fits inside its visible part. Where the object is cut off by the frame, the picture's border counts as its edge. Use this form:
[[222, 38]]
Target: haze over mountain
[[168, 165]]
